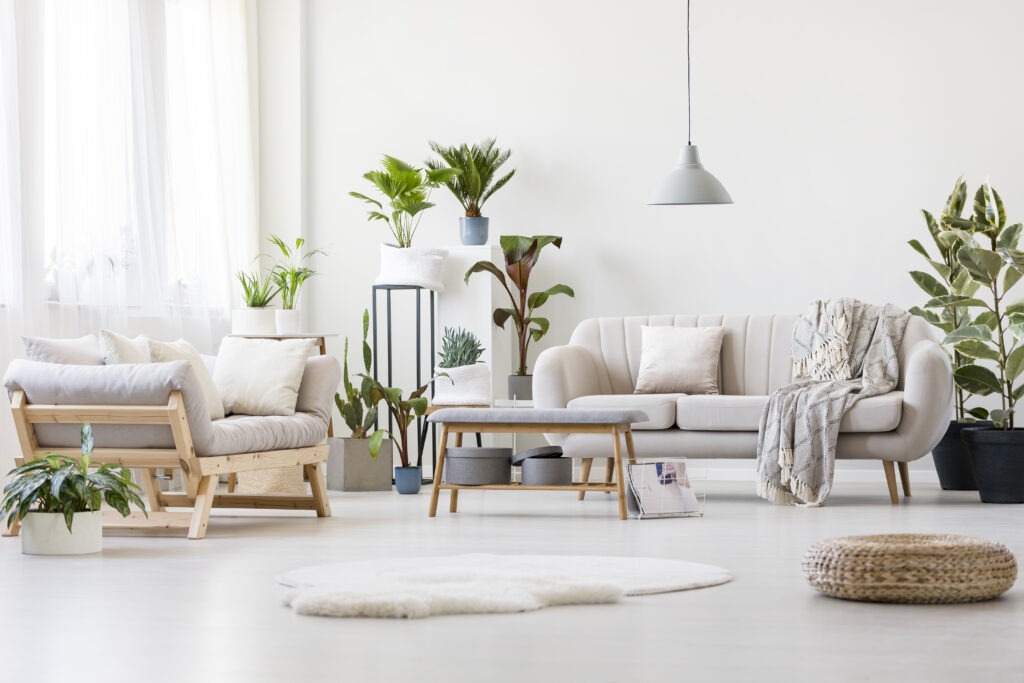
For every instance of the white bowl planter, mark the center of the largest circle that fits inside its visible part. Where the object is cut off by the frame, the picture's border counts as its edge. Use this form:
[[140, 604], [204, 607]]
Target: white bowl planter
[[46, 533], [288, 321], [253, 321], [468, 385], [420, 266]]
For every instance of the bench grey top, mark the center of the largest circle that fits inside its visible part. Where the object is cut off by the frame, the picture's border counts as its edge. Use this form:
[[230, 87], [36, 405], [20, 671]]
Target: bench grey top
[[539, 416]]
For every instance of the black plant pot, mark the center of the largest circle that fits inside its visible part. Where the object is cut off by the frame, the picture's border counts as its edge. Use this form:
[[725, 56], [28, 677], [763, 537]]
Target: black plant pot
[[952, 461], [998, 459]]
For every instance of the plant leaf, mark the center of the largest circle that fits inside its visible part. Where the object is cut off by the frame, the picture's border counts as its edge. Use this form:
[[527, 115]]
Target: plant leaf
[[976, 380], [975, 348], [983, 265], [1015, 363], [967, 332], [954, 301], [978, 412], [928, 283], [538, 299]]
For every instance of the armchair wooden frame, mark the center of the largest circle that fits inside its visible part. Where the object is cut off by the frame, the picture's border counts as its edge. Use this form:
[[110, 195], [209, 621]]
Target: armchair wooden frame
[[199, 475]]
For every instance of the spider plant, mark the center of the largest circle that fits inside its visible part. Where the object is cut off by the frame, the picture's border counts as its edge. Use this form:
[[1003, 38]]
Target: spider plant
[[290, 274]]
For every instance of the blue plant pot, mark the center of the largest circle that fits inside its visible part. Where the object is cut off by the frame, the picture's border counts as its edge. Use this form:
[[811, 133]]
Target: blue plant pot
[[473, 230], [408, 479]]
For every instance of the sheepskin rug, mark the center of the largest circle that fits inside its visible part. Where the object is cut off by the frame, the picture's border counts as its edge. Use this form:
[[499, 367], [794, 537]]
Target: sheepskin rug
[[413, 588]]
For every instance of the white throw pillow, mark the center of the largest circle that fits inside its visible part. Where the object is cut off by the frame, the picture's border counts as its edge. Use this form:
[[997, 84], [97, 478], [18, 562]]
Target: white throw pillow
[[164, 352], [260, 376], [80, 351], [118, 349], [679, 360]]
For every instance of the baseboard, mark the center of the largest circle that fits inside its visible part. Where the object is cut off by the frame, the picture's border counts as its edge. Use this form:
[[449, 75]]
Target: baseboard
[[864, 472]]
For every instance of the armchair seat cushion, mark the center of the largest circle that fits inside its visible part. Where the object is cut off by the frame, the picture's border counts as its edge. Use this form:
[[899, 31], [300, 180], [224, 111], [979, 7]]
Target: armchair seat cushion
[[742, 413], [660, 408]]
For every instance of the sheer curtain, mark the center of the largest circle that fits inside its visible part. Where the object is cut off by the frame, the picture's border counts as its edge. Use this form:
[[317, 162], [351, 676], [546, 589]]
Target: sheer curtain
[[129, 165]]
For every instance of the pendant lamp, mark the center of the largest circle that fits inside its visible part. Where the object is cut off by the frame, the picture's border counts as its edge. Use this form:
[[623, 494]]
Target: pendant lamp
[[689, 182]]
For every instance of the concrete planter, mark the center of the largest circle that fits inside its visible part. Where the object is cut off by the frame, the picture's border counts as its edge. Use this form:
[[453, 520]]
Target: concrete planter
[[520, 387], [350, 467], [46, 533], [473, 230], [477, 466], [469, 385]]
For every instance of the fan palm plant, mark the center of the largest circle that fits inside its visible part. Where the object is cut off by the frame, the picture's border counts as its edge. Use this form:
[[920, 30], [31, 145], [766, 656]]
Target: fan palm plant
[[478, 165]]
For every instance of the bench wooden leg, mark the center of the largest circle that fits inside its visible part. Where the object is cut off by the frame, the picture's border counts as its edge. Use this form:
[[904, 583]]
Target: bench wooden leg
[[617, 451], [905, 478], [204, 503], [439, 472], [453, 501], [890, 480], [315, 473], [585, 465]]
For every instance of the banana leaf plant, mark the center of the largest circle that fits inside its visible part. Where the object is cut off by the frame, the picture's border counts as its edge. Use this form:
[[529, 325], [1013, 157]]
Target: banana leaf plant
[[952, 279], [989, 252], [402, 410], [358, 408], [521, 255]]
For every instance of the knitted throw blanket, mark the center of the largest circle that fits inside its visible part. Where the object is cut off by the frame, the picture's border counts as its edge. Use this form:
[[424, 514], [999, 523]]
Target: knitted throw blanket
[[843, 350]]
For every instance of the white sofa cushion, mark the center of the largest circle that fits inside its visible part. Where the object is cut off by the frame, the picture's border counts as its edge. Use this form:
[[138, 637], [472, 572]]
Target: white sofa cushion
[[660, 408], [118, 349], [79, 351], [742, 413], [260, 376], [679, 359], [165, 352]]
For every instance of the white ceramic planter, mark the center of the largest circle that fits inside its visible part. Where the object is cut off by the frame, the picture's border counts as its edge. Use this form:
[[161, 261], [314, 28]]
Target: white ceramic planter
[[469, 385], [253, 321], [45, 533], [351, 468], [288, 321], [418, 266]]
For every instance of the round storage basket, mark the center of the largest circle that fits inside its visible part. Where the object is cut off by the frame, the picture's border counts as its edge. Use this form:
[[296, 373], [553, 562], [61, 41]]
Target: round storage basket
[[468, 466], [544, 466]]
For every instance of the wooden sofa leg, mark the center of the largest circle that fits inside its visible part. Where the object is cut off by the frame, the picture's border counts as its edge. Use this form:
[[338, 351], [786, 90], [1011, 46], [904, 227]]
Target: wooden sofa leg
[[13, 531], [204, 503], [890, 480], [318, 486], [905, 478], [152, 489], [585, 465]]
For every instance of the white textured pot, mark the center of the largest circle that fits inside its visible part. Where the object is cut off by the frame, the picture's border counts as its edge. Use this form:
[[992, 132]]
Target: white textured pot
[[351, 468], [45, 533], [469, 385], [419, 266], [253, 321], [287, 321]]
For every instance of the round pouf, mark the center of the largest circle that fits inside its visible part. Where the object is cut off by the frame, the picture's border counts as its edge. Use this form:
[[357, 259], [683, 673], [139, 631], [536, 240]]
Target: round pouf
[[910, 568]]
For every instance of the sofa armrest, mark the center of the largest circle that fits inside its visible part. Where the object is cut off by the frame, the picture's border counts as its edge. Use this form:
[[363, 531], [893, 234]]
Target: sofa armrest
[[927, 398], [320, 380], [563, 373]]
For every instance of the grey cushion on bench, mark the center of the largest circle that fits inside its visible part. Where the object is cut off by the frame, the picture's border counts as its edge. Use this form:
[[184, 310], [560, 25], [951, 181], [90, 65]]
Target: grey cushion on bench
[[538, 416]]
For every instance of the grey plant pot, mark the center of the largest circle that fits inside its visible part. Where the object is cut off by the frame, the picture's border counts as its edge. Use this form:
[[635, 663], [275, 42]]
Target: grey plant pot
[[520, 387], [477, 466], [547, 472], [473, 230], [350, 467]]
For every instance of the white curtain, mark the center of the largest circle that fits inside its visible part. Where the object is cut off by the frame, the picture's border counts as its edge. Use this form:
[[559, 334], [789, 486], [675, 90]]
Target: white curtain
[[128, 186]]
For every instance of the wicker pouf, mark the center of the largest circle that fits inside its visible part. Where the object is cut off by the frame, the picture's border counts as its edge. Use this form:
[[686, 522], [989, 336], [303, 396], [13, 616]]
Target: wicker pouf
[[910, 568]]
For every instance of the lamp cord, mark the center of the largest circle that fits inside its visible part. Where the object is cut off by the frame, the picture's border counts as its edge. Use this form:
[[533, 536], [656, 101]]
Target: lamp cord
[[689, 107]]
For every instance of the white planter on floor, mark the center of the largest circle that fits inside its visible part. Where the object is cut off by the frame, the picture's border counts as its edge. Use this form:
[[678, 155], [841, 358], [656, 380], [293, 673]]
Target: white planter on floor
[[287, 321], [253, 321], [419, 266], [469, 385], [46, 533]]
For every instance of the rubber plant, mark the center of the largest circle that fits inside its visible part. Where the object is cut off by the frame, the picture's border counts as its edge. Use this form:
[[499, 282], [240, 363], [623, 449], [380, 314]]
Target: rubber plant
[[478, 166], [358, 409], [952, 280], [521, 255], [988, 252]]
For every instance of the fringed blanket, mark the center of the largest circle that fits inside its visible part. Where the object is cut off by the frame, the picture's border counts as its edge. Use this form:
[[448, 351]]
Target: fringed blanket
[[843, 350]]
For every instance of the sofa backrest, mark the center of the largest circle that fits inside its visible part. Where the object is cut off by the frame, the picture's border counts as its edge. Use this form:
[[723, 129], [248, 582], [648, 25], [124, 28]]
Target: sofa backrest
[[755, 349]]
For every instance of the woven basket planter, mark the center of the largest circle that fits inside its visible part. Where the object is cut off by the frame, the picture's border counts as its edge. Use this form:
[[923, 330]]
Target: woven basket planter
[[910, 568], [278, 480]]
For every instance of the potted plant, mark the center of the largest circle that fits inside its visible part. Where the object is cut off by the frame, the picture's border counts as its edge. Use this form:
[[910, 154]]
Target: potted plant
[[467, 381], [350, 465], [258, 291], [289, 275], [475, 182], [403, 411], [406, 190], [952, 462], [995, 335], [521, 254], [57, 501]]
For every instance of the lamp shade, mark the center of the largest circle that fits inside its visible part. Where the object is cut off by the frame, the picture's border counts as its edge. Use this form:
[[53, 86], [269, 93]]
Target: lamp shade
[[689, 183]]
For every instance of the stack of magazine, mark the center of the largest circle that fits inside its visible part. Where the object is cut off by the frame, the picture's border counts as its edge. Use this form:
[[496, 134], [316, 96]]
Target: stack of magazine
[[660, 489]]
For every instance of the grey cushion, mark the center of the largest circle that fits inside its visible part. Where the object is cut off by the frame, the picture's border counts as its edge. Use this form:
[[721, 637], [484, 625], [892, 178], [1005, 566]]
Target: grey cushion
[[659, 408], [538, 416], [742, 413]]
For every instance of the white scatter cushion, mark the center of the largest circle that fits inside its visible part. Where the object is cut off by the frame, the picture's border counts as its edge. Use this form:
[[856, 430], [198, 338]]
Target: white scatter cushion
[[260, 376], [118, 349], [679, 360], [80, 351], [164, 352]]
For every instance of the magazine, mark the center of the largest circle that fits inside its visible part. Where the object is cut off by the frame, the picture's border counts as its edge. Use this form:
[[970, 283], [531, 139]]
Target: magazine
[[660, 489]]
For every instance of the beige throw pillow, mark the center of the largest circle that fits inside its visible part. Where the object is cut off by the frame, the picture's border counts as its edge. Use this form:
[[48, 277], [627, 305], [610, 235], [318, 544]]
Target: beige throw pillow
[[80, 351], [117, 348], [164, 352], [679, 360], [260, 376]]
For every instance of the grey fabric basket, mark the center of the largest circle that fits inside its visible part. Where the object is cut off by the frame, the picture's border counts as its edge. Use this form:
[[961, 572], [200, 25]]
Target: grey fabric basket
[[468, 466], [547, 471]]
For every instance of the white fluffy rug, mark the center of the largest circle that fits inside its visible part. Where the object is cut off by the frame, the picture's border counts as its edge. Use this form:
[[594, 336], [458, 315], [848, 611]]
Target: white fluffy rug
[[477, 584]]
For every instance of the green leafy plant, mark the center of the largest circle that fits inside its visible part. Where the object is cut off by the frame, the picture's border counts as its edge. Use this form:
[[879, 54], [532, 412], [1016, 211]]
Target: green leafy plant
[[358, 409], [459, 347], [62, 484], [257, 291], [953, 279], [290, 274], [521, 254], [989, 253], [477, 166], [402, 410], [406, 190]]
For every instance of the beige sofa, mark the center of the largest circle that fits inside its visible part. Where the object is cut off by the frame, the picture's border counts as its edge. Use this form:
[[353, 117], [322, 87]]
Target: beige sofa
[[599, 366]]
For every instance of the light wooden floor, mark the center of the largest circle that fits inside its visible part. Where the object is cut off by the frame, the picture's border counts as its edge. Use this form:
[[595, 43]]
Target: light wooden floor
[[178, 610]]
